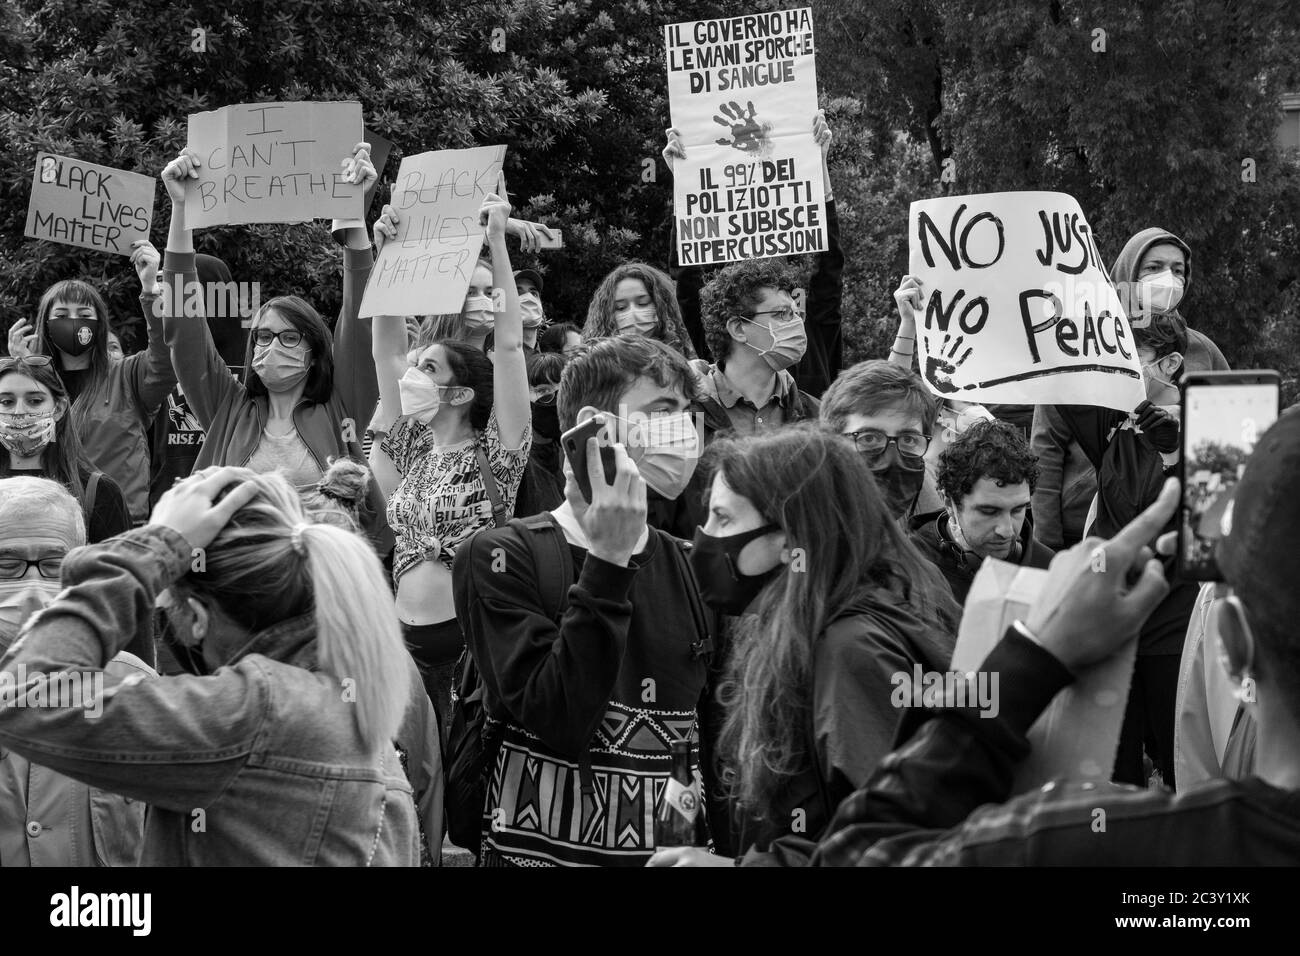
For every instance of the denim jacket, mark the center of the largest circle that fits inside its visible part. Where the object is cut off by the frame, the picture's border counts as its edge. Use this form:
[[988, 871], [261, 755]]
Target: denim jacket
[[260, 763]]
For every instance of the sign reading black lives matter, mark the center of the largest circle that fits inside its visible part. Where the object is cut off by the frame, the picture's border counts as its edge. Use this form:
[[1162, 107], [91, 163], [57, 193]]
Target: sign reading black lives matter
[[89, 206], [743, 95], [1016, 305]]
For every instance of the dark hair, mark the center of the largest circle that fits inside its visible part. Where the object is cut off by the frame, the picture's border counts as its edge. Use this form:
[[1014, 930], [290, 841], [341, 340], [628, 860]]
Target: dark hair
[[1166, 335], [546, 368], [735, 291], [873, 385], [600, 373], [76, 292], [820, 492], [551, 339], [994, 450], [473, 369], [299, 314], [62, 459], [670, 328]]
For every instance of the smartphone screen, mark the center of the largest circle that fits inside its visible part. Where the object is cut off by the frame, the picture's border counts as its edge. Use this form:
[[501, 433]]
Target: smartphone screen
[[1223, 416]]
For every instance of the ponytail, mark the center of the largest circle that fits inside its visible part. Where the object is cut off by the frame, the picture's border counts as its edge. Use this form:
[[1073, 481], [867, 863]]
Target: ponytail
[[357, 636]]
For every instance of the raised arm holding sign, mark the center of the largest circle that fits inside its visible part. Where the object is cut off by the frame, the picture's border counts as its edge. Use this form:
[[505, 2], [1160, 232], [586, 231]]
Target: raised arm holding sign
[[1015, 304]]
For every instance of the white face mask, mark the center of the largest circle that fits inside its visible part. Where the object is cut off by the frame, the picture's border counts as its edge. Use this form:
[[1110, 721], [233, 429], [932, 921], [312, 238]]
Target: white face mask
[[789, 342], [530, 307], [478, 313], [421, 396], [664, 448], [643, 320], [1152, 371], [19, 600], [280, 368], [1161, 292]]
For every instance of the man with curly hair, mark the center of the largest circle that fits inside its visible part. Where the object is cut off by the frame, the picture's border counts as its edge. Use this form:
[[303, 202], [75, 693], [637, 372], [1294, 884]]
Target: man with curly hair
[[986, 480]]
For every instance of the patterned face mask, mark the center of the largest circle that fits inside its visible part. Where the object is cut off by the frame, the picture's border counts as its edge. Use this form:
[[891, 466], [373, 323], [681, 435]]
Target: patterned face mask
[[26, 434]]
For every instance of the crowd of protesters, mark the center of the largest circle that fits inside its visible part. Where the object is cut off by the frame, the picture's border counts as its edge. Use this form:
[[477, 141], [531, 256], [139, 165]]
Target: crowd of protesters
[[344, 591]]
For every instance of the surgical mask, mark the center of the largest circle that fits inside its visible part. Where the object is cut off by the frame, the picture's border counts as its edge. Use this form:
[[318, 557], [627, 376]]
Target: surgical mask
[[789, 342], [899, 478], [530, 307], [478, 313], [19, 600], [722, 586], [26, 434], [644, 320], [665, 450], [421, 396], [280, 368], [1162, 292], [72, 335]]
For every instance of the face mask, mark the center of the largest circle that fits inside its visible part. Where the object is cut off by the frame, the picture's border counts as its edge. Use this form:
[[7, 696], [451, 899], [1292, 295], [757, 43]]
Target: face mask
[[530, 307], [546, 420], [421, 396], [19, 600], [789, 342], [25, 435], [1152, 371], [899, 478], [73, 336], [477, 313], [722, 587], [1162, 292], [665, 450], [279, 368], [644, 320]]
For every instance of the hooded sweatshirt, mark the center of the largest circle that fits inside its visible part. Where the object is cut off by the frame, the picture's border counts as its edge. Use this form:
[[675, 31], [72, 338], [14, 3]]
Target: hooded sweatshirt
[[1202, 354]]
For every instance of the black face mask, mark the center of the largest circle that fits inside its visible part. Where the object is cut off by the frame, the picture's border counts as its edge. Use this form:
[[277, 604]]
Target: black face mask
[[713, 559], [546, 420], [73, 336], [900, 479]]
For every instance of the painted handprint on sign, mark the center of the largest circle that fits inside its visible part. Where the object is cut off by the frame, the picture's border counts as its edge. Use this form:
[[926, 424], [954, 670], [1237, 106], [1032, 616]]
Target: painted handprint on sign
[[748, 133], [943, 362]]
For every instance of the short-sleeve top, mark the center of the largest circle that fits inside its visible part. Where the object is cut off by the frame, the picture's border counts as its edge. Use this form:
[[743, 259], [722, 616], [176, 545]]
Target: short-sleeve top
[[441, 500]]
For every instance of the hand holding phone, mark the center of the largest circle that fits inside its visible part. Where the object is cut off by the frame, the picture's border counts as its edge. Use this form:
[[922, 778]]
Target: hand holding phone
[[575, 441], [615, 517]]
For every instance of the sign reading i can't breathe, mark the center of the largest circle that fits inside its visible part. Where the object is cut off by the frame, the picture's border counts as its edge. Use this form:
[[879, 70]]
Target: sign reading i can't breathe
[[89, 206], [1016, 305], [273, 162], [743, 95]]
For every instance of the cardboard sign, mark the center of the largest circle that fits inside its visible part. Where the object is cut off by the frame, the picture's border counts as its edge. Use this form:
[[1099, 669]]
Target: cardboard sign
[[426, 269], [743, 94], [1077, 736], [273, 162], [1016, 304], [89, 206]]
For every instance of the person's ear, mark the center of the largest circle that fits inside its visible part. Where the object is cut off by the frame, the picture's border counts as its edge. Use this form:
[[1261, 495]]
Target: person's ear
[[60, 409], [736, 329], [202, 618], [1170, 364], [465, 396], [1237, 642], [586, 413]]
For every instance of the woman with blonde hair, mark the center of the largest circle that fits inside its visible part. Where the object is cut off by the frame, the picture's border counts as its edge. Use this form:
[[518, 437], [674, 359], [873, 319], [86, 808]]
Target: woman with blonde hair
[[638, 298], [281, 739]]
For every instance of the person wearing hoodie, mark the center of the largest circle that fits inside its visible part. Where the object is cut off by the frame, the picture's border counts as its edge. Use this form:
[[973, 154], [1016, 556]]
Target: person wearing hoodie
[[834, 606], [47, 819], [1152, 275], [986, 479], [176, 434], [113, 401]]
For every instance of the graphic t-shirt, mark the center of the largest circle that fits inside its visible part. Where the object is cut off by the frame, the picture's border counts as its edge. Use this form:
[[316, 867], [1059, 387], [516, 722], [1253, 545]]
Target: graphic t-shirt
[[441, 500]]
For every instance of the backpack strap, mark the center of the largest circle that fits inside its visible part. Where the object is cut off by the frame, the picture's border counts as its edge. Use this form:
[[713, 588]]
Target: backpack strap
[[704, 646], [92, 492], [499, 511]]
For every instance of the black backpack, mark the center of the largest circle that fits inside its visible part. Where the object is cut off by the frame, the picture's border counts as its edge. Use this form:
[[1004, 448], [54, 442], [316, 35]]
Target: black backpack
[[473, 734]]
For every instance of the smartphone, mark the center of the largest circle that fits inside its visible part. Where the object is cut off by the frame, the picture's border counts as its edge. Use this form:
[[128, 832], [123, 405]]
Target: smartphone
[[556, 243], [1223, 415], [574, 443]]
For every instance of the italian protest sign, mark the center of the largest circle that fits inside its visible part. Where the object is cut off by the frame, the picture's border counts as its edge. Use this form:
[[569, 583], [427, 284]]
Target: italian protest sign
[[1016, 305], [273, 162], [92, 207], [426, 269], [743, 95]]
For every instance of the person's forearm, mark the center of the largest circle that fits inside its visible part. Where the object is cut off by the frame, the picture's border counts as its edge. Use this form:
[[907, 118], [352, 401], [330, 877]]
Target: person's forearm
[[179, 238], [900, 353], [508, 327]]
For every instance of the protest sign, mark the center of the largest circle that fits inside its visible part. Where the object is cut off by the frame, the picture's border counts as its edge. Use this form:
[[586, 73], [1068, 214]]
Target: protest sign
[[756, 190], [426, 269], [1016, 305], [273, 162], [89, 206], [1077, 736]]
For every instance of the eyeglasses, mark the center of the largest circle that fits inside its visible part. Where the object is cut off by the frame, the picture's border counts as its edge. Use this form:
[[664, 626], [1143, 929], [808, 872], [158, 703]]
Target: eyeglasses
[[289, 338], [33, 361], [13, 568], [873, 442], [782, 315]]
